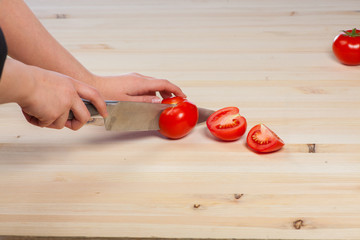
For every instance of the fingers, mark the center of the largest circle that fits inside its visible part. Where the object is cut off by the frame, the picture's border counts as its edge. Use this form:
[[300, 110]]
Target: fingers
[[150, 96], [166, 95], [166, 88], [56, 122], [50, 122], [163, 86], [81, 115], [91, 94], [146, 98], [54, 95], [59, 123], [56, 116]]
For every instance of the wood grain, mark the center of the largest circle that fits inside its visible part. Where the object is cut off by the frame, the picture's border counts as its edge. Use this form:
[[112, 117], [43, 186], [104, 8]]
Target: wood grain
[[272, 59]]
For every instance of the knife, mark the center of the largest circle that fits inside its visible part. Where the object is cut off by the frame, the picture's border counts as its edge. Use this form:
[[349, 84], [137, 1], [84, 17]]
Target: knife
[[134, 116]]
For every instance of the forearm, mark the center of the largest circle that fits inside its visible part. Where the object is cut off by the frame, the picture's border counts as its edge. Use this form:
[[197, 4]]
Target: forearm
[[15, 82], [29, 42]]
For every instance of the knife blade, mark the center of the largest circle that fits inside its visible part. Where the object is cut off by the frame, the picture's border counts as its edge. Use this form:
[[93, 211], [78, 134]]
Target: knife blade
[[134, 116]]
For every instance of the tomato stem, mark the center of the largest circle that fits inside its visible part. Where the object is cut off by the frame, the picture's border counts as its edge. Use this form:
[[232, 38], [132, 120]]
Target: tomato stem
[[353, 33]]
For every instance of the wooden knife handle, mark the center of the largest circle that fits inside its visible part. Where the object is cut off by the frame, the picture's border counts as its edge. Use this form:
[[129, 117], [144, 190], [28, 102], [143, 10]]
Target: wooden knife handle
[[89, 106]]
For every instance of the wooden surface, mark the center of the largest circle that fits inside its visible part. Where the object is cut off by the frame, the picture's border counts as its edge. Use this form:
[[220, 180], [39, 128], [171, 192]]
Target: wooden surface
[[272, 59]]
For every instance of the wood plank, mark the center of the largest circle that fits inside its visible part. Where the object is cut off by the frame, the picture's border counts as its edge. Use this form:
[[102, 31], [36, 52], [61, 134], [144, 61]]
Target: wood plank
[[272, 59]]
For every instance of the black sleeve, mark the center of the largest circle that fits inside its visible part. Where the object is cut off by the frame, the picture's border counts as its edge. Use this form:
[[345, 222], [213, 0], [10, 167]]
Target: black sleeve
[[3, 51]]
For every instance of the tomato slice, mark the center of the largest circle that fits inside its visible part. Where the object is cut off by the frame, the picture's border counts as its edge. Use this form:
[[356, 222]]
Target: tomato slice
[[261, 139], [227, 124], [177, 121]]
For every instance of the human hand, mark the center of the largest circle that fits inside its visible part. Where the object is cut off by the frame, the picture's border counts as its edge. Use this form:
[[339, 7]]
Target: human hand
[[46, 97], [136, 87], [54, 95]]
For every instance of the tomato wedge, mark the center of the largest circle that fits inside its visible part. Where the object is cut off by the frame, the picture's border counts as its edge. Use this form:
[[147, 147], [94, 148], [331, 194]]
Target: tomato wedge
[[261, 139], [227, 124], [177, 121]]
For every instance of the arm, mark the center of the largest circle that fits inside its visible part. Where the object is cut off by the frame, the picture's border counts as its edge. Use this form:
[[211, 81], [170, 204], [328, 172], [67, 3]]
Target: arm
[[46, 97], [29, 42], [34, 45]]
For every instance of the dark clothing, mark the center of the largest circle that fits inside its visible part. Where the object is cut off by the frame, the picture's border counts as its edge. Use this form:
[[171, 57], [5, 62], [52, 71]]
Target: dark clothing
[[3, 51]]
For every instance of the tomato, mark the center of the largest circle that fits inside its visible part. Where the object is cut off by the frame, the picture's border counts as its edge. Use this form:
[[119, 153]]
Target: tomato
[[173, 100], [261, 139], [177, 121], [227, 124], [346, 47]]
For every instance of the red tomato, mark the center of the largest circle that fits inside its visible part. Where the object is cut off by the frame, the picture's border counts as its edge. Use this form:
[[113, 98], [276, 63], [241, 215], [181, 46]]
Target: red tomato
[[346, 47], [173, 100], [227, 124], [261, 139], [177, 121]]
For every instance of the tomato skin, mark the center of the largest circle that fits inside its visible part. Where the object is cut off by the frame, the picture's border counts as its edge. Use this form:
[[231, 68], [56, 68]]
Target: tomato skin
[[346, 47], [173, 100], [227, 124], [177, 121], [267, 141]]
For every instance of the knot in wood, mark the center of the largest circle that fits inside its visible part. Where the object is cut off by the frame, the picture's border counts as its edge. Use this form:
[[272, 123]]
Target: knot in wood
[[238, 196], [298, 224], [312, 148]]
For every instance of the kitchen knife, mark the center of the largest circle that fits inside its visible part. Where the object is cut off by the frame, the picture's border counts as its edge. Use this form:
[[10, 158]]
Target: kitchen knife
[[134, 116]]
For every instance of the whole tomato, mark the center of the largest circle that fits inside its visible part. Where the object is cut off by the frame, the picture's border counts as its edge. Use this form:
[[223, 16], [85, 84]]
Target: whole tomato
[[346, 47], [177, 121]]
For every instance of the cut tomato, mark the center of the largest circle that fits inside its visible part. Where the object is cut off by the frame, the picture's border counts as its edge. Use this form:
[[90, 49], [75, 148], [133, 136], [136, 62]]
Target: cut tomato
[[261, 139], [177, 121], [173, 100], [227, 124]]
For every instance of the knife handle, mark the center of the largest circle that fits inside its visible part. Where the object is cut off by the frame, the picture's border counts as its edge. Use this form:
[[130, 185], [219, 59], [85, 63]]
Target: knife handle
[[92, 110]]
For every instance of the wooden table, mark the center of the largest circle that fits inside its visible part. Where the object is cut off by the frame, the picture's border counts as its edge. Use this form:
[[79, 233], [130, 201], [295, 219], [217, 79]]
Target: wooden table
[[272, 59]]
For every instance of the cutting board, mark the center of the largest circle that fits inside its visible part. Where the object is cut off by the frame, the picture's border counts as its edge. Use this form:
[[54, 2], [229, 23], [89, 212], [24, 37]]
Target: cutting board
[[272, 59]]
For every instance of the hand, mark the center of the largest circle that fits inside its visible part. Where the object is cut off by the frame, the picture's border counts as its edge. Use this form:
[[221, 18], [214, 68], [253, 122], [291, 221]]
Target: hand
[[54, 96], [136, 87], [46, 97]]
